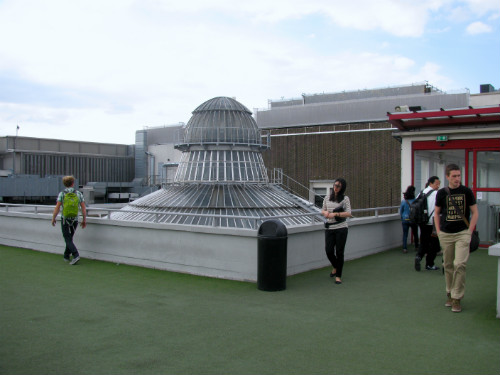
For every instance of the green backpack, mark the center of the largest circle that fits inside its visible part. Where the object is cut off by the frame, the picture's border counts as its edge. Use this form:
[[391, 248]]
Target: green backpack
[[70, 205]]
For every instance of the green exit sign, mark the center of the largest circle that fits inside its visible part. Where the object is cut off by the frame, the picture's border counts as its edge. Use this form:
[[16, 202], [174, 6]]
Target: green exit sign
[[441, 138]]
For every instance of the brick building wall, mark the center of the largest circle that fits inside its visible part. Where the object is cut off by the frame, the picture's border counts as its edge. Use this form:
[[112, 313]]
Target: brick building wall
[[369, 159]]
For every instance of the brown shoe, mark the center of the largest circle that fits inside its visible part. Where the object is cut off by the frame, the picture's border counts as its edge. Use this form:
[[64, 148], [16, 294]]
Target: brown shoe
[[455, 305], [448, 300]]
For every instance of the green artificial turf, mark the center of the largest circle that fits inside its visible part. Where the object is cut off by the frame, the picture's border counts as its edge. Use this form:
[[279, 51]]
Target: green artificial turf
[[103, 318]]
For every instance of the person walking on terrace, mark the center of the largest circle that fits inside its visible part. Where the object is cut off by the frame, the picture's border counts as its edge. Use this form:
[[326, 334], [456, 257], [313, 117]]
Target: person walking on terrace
[[336, 208], [429, 243], [404, 213], [71, 201], [454, 235]]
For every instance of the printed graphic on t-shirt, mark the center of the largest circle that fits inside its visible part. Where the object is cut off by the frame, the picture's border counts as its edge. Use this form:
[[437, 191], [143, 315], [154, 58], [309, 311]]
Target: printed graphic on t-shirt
[[452, 213]]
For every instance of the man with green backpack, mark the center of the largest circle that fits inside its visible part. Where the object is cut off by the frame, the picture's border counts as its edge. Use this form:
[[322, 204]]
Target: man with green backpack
[[70, 200]]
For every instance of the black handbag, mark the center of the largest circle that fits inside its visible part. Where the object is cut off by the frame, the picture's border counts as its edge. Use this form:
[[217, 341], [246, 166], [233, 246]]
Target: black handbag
[[474, 239], [338, 219]]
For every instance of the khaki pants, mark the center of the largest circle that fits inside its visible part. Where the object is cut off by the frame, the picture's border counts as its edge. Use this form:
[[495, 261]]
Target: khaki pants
[[455, 247]]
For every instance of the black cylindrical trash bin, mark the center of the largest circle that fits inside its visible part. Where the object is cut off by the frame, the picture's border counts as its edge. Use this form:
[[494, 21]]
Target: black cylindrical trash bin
[[271, 262]]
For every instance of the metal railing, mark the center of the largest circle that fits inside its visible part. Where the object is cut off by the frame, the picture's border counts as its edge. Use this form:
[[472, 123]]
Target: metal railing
[[222, 136], [295, 187], [105, 214], [291, 185]]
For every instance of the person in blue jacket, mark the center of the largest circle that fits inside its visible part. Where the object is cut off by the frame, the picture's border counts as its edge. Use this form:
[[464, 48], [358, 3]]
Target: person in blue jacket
[[404, 212]]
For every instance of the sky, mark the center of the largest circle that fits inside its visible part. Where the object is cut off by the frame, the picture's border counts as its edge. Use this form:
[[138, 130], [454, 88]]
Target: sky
[[99, 70]]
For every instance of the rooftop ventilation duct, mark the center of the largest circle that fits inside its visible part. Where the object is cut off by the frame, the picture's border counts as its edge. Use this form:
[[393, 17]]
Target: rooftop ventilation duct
[[221, 180]]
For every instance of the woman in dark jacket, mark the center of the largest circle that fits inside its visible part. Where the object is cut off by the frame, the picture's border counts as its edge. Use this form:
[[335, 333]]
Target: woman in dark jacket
[[336, 208], [404, 213]]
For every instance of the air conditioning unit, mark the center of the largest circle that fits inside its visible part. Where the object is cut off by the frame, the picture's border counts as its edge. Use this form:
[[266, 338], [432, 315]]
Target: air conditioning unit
[[402, 108]]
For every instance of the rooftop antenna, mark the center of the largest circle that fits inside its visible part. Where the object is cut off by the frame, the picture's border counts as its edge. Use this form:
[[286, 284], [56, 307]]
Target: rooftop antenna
[[14, 160]]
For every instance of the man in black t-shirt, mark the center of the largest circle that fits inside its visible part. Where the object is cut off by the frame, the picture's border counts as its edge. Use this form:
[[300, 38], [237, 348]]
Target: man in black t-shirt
[[454, 234]]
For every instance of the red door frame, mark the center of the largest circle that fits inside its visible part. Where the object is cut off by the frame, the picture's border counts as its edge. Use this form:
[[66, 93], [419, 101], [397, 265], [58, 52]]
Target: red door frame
[[468, 145]]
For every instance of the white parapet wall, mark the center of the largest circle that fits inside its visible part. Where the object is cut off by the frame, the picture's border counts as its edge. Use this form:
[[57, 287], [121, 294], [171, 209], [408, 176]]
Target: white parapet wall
[[494, 250], [207, 251]]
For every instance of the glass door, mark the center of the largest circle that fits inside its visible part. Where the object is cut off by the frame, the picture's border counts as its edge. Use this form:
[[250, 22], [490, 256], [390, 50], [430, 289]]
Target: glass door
[[486, 186], [479, 160]]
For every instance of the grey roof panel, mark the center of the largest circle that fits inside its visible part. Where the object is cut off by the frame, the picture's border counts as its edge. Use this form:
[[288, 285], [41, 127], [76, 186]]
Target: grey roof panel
[[348, 111]]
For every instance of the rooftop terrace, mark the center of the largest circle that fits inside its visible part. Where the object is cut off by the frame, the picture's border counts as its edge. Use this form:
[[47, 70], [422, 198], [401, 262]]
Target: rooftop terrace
[[105, 318]]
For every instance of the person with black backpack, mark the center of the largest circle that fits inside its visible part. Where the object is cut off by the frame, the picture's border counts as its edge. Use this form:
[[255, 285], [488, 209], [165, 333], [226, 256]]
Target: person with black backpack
[[70, 200], [429, 243], [404, 212]]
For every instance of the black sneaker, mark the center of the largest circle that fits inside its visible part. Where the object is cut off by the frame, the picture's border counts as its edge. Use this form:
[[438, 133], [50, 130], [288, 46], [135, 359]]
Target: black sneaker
[[431, 268], [417, 263]]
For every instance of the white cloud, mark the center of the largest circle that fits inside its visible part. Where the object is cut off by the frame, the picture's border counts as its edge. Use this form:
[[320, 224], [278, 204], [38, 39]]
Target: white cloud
[[466, 10], [431, 72], [401, 18], [482, 7], [478, 28]]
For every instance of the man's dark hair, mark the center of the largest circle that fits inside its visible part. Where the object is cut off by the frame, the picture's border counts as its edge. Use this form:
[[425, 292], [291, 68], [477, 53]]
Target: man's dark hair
[[451, 167], [432, 179]]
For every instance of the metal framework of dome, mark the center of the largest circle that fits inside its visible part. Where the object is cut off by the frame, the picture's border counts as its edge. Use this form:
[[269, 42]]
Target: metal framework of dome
[[221, 179]]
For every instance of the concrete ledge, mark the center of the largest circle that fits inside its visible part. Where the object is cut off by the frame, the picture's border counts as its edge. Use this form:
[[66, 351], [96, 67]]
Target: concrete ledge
[[494, 250], [206, 251]]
